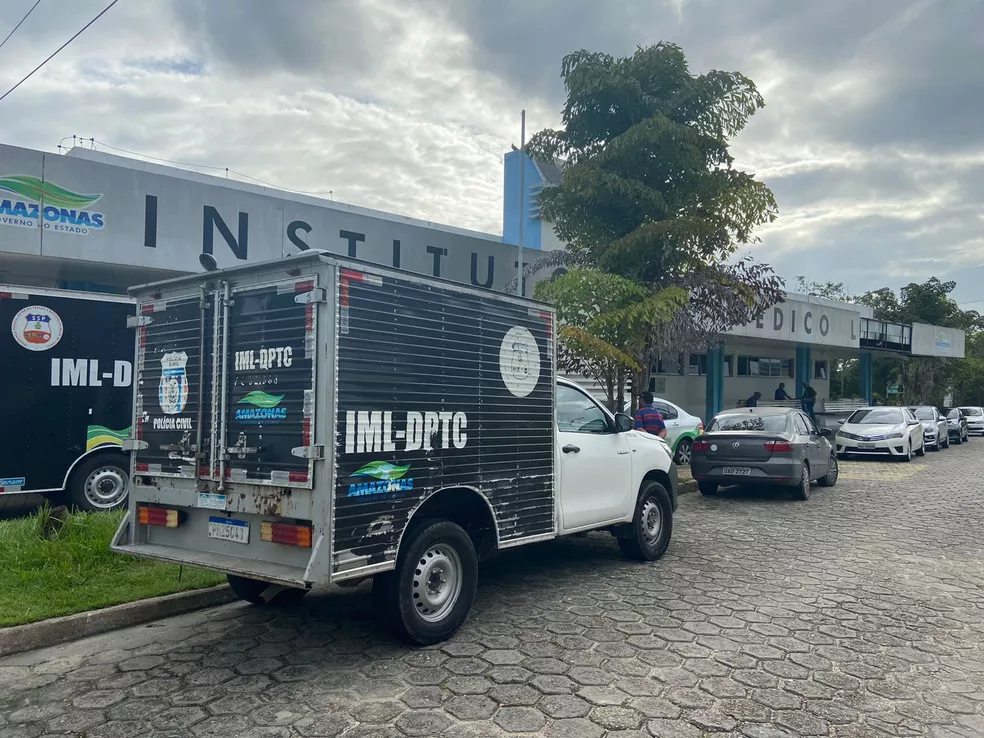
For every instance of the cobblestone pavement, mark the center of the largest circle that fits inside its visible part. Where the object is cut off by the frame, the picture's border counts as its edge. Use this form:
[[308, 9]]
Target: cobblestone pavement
[[857, 613]]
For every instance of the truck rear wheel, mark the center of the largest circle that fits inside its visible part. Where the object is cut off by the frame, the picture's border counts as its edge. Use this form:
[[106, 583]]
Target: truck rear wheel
[[264, 593], [429, 594], [100, 482], [652, 525]]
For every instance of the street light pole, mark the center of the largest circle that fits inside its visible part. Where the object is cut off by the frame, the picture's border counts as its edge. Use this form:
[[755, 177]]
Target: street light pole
[[520, 287]]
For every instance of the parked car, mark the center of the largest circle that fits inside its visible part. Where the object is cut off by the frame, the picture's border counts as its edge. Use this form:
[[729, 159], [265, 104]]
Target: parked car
[[935, 429], [975, 418], [681, 429], [959, 429], [763, 446], [881, 431]]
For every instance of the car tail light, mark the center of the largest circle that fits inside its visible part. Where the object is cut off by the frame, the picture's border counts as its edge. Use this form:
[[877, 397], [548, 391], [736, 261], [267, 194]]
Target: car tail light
[[162, 516], [779, 447], [290, 535], [701, 445]]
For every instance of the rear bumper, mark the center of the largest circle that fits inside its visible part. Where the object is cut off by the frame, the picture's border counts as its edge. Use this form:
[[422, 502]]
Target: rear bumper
[[778, 471], [171, 551], [975, 427]]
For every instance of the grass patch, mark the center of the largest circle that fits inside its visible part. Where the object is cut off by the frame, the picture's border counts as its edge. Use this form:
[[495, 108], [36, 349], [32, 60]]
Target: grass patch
[[74, 570]]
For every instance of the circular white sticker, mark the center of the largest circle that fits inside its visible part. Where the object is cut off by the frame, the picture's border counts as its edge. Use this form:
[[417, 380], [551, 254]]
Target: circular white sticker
[[37, 328], [519, 361], [714, 447]]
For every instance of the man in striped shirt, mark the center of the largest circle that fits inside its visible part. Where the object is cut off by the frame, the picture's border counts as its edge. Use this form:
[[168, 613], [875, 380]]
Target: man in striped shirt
[[647, 417]]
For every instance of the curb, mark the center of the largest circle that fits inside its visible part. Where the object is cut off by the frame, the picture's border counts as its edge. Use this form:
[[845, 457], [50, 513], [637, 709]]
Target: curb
[[55, 631], [686, 487]]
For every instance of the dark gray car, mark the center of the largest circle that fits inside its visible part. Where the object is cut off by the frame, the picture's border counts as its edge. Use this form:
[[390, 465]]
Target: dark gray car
[[763, 446]]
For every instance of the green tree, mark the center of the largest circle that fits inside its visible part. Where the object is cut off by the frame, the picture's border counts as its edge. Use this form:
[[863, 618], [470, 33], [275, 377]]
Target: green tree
[[923, 379], [604, 327], [650, 192]]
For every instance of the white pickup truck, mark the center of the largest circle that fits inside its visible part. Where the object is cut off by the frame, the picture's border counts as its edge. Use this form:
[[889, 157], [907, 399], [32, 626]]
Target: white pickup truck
[[318, 420]]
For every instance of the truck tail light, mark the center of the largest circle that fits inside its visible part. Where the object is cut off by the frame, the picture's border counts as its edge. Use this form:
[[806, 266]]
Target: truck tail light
[[290, 535], [701, 445], [162, 516], [779, 447]]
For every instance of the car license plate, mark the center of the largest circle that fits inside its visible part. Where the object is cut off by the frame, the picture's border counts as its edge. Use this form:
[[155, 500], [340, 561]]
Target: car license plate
[[738, 471], [228, 529], [866, 445]]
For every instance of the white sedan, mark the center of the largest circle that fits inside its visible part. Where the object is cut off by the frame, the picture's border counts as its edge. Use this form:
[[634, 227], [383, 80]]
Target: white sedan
[[881, 431]]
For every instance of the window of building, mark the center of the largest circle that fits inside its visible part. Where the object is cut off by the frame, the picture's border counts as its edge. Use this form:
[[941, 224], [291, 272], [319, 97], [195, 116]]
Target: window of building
[[757, 366], [819, 369], [697, 365]]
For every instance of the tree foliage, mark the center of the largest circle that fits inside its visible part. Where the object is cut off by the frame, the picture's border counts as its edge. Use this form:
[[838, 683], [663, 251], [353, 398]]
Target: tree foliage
[[927, 379], [605, 324], [650, 193]]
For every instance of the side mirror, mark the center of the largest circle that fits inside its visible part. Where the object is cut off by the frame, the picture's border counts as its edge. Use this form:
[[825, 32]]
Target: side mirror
[[624, 422], [842, 421], [825, 432]]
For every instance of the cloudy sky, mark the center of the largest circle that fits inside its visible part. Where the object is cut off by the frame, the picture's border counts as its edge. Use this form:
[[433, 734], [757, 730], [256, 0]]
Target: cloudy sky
[[872, 138]]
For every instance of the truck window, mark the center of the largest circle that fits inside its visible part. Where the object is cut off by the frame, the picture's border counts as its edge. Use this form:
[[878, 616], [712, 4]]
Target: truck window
[[577, 413]]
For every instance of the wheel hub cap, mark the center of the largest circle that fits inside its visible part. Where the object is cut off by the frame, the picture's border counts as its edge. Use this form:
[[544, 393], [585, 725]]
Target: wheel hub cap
[[106, 486], [437, 583], [652, 521]]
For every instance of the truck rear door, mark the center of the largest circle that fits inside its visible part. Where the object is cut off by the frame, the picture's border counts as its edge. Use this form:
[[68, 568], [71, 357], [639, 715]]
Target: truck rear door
[[226, 383]]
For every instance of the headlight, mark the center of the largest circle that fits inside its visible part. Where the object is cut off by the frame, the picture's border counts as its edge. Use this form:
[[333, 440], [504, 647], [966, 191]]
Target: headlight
[[894, 434]]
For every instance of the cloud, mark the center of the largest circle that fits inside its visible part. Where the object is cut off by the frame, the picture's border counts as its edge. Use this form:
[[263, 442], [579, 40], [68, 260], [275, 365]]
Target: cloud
[[869, 138]]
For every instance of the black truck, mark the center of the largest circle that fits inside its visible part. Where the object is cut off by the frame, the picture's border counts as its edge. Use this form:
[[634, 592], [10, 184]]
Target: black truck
[[66, 368]]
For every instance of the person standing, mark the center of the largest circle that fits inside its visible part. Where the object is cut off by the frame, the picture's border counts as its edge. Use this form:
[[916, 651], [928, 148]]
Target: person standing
[[809, 400], [781, 393], [753, 401], [648, 418]]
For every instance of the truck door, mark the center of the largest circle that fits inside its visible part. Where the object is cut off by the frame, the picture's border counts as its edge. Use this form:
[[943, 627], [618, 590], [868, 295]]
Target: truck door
[[595, 461], [173, 387], [270, 375]]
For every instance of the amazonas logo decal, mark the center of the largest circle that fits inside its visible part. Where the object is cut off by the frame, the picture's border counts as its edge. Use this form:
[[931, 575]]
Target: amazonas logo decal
[[389, 478], [265, 408], [36, 203]]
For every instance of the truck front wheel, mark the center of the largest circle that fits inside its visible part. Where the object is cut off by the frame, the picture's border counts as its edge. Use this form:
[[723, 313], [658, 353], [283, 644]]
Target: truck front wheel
[[263, 593], [429, 594], [648, 536]]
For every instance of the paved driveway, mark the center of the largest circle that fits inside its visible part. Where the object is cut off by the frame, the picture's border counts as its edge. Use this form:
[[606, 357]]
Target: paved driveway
[[857, 613]]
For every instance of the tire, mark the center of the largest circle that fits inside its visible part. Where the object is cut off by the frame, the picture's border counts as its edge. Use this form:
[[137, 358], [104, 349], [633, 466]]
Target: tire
[[707, 488], [908, 453], [833, 472], [100, 482], [684, 452], [959, 440], [946, 442], [437, 558], [921, 451], [801, 491], [263, 593], [652, 525]]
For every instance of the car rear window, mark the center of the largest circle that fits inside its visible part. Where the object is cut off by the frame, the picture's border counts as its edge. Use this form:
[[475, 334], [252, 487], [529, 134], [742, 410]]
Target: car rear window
[[750, 422], [924, 413], [972, 411]]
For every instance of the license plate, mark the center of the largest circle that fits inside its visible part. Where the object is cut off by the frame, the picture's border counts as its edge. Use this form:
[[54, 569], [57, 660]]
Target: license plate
[[228, 529], [738, 471], [866, 445]]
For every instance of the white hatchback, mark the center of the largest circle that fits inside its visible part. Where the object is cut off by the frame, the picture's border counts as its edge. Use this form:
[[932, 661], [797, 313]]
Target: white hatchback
[[975, 418], [881, 431]]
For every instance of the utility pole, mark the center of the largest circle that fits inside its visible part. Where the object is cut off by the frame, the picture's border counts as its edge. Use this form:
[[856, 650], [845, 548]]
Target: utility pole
[[520, 287]]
